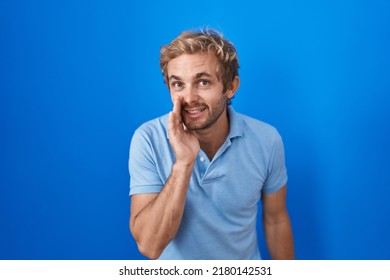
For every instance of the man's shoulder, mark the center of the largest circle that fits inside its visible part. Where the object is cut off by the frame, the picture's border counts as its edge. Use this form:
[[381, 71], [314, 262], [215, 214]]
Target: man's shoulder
[[256, 127], [154, 126], [253, 122]]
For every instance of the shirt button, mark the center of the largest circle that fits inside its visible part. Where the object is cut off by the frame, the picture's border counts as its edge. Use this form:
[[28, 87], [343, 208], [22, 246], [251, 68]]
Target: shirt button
[[202, 159]]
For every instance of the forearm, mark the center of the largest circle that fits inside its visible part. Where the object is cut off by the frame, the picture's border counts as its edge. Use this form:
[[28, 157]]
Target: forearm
[[157, 223], [279, 238]]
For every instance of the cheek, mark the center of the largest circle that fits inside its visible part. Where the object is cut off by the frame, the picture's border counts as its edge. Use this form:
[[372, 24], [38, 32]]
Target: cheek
[[173, 95]]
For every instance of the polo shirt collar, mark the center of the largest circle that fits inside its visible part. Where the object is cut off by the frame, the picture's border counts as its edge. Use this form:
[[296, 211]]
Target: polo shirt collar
[[236, 123]]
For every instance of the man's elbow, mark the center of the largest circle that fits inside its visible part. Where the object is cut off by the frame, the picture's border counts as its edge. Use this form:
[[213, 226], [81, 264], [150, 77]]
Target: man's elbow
[[148, 249]]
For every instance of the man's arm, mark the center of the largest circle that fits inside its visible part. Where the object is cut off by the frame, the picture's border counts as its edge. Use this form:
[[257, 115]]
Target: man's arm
[[277, 226], [155, 218]]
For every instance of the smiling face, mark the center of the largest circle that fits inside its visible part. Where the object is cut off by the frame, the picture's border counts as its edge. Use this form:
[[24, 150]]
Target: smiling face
[[195, 78]]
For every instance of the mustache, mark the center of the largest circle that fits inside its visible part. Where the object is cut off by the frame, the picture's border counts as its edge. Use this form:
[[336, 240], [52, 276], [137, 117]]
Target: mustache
[[186, 106]]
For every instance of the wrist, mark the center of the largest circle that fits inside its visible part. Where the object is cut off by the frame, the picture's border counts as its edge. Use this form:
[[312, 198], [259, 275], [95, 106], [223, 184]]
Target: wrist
[[183, 166]]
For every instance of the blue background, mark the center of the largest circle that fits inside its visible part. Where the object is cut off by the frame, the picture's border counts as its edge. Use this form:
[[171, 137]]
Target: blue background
[[78, 77]]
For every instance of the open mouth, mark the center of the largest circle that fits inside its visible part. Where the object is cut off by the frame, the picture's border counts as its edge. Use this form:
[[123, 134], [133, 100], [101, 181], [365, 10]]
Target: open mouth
[[194, 112]]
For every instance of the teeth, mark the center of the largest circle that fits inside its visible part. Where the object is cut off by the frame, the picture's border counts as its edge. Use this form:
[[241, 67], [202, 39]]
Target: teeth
[[195, 111]]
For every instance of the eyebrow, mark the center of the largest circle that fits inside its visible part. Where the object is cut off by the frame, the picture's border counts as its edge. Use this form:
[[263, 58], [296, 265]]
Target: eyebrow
[[174, 77], [197, 76], [201, 74]]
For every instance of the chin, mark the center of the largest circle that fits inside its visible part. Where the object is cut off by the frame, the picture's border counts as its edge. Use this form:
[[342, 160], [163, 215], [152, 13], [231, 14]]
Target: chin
[[198, 126], [194, 127]]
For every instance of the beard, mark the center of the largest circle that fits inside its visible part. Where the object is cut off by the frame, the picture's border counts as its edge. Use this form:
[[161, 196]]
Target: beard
[[210, 114]]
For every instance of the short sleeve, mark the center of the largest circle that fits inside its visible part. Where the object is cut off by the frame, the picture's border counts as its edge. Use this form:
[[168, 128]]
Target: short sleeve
[[144, 177], [277, 173]]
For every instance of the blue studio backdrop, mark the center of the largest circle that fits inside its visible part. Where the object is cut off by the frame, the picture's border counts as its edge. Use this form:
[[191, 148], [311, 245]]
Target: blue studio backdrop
[[78, 77]]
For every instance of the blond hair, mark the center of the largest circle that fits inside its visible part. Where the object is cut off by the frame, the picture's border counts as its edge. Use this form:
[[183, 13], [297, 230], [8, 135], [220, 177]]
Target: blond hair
[[208, 40]]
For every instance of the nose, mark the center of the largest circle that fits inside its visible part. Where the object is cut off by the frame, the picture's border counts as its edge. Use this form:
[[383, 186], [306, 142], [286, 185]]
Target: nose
[[190, 95]]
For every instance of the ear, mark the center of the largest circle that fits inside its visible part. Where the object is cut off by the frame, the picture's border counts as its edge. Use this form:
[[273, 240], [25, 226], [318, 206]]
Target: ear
[[231, 91]]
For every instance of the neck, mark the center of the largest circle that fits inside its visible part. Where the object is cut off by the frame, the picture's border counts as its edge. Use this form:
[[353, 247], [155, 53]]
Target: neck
[[212, 138]]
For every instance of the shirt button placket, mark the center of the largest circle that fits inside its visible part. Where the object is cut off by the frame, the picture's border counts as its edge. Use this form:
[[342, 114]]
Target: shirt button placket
[[202, 164]]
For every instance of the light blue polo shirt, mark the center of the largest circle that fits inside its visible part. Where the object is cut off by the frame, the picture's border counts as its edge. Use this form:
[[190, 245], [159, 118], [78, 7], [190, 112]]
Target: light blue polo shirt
[[219, 220]]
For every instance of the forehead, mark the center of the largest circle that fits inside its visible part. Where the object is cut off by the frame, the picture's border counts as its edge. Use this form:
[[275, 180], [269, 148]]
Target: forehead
[[188, 65]]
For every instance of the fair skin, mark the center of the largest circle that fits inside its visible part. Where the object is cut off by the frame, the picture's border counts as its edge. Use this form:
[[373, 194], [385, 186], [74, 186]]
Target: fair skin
[[199, 120]]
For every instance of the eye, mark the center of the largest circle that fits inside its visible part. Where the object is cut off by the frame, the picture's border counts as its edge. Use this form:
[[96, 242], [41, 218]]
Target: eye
[[204, 83], [176, 84]]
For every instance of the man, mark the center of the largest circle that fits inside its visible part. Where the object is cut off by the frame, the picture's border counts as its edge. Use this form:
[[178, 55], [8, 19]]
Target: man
[[198, 174]]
